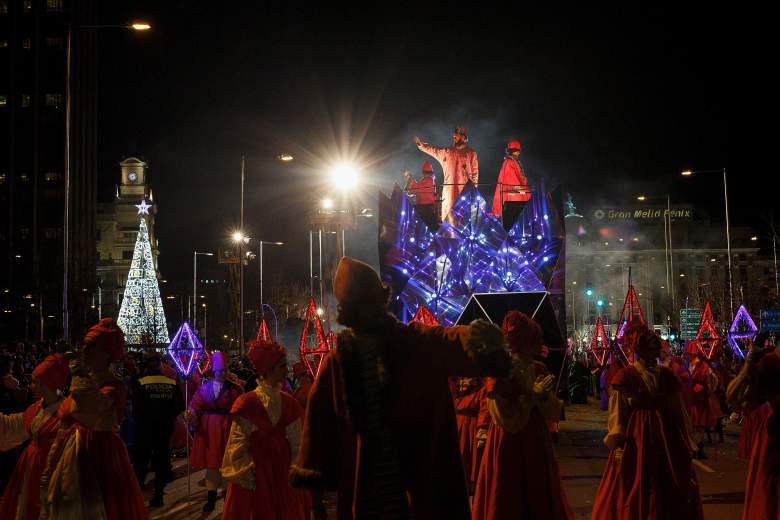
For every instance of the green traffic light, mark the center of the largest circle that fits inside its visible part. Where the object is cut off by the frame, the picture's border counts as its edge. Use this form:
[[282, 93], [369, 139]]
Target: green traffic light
[[589, 292]]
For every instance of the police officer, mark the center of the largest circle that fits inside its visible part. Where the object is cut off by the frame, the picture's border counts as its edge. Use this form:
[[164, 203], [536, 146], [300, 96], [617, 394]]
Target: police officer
[[157, 402]]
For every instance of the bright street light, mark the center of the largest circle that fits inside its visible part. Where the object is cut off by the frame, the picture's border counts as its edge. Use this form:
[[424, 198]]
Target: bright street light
[[687, 173], [327, 203], [641, 198], [753, 239], [140, 26], [285, 157], [344, 177]]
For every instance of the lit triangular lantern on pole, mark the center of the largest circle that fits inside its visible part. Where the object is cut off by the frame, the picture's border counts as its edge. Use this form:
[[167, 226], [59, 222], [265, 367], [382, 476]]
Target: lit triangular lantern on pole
[[599, 345], [743, 327], [313, 345], [708, 336], [263, 333], [425, 316], [631, 308], [185, 350]]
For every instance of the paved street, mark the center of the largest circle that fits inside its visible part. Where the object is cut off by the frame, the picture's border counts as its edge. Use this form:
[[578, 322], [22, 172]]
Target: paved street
[[582, 457]]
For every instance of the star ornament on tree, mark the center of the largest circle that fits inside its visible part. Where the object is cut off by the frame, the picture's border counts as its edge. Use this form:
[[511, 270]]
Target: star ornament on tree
[[143, 207]]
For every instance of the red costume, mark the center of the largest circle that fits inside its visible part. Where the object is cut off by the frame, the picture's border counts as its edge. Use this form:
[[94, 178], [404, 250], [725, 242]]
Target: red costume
[[649, 471], [519, 476], [305, 383], [89, 474], [705, 409], [762, 488], [39, 424], [468, 399], [211, 404], [265, 433], [380, 425], [459, 165], [424, 190], [512, 184], [751, 424]]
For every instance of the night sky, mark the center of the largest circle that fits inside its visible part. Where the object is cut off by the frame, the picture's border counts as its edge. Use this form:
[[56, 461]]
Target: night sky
[[607, 104]]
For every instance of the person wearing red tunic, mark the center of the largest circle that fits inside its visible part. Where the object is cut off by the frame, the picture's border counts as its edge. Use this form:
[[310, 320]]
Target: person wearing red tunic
[[210, 410], [519, 476], [264, 435], [88, 472], [704, 409], [380, 426], [468, 394], [649, 472], [424, 192], [39, 424], [512, 193]]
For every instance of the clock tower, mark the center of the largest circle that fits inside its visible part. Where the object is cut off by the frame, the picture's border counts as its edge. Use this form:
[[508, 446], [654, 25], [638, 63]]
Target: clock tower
[[133, 178]]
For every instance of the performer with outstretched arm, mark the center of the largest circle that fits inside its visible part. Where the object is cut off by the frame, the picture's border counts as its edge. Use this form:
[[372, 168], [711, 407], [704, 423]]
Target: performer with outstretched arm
[[459, 164]]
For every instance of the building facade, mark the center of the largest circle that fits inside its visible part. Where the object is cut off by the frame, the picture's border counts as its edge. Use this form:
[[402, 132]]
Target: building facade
[[117, 229], [33, 47], [673, 263]]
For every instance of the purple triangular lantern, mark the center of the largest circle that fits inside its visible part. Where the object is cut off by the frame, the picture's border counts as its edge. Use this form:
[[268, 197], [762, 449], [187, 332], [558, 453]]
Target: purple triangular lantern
[[185, 350], [743, 327]]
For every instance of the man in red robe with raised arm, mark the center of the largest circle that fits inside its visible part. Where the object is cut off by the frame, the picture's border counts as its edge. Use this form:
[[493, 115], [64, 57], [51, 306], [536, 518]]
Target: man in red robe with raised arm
[[459, 164], [380, 425]]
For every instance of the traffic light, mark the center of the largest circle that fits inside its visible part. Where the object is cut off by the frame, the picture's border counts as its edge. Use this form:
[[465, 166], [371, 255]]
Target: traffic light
[[589, 291], [673, 333], [599, 302]]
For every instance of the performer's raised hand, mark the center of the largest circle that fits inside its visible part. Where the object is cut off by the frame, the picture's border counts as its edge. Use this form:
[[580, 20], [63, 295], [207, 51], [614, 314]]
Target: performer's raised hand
[[418, 141]]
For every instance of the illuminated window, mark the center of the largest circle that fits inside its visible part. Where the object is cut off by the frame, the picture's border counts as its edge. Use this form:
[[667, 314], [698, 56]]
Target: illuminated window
[[55, 41], [24, 177], [27, 4], [27, 43], [54, 5], [2, 178], [26, 100], [52, 176], [3, 44], [3, 101], [55, 100]]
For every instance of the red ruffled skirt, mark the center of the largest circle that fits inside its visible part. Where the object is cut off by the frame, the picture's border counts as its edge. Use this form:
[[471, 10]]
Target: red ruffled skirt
[[762, 489], [211, 437]]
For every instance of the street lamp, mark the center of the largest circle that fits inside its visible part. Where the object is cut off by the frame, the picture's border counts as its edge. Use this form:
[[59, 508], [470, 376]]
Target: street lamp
[[688, 173], [138, 27], [195, 286], [344, 177], [205, 324]]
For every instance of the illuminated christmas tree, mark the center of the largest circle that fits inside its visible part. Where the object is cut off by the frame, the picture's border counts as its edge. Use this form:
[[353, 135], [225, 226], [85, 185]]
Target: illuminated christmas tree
[[141, 316]]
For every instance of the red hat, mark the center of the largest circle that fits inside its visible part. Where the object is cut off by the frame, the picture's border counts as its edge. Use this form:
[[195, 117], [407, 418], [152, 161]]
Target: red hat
[[521, 330], [52, 371], [513, 144], [107, 335], [264, 355], [299, 369], [357, 282], [427, 168]]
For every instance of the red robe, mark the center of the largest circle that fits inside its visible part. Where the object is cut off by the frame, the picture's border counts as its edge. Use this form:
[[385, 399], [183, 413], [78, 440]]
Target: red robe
[[415, 366], [705, 409], [519, 476], [23, 492], [762, 488], [213, 427], [302, 392], [467, 408], [750, 429], [655, 478], [89, 454], [512, 184], [272, 498], [423, 190]]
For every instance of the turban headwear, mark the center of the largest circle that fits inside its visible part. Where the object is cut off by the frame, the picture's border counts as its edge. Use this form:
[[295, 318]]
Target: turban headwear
[[520, 331], [107, 336], [218, 361], [52, 371], [264, 355]]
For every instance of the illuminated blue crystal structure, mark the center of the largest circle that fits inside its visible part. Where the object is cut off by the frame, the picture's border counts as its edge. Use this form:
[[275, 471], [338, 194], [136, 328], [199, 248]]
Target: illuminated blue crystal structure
[[469, 253]]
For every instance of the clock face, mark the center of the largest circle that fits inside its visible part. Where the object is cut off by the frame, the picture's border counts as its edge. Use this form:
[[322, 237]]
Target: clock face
[[132, 176]]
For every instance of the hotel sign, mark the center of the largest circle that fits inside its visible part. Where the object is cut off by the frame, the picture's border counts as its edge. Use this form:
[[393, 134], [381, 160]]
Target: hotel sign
[[641, 214]]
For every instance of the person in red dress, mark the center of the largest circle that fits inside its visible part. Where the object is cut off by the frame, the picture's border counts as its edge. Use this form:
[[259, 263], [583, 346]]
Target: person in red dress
[[649, 472], [39, 424], [704, 410], [380, 426], [468, 393], [88, 472], [210, 410], [757, 387], [264, 435], [519, 476], [424, 192], [512, 193]]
